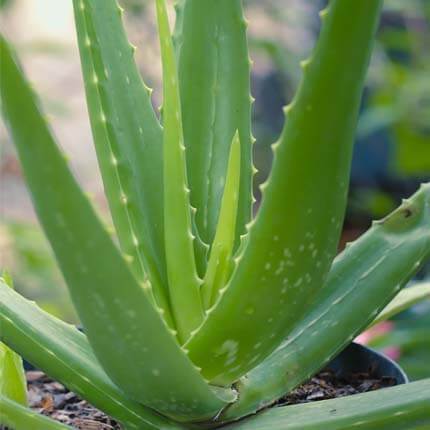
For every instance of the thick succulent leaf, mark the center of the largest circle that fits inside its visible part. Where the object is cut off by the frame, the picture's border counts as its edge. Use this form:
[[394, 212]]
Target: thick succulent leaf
[[12, 378], [64, 353], [364, 278], [13, 383], [17, 417], [127, 334], [214, 78], [128, 140], [294, 238], [184, 283], [201, 249], [220, 261], [404, 300], [404, 407]]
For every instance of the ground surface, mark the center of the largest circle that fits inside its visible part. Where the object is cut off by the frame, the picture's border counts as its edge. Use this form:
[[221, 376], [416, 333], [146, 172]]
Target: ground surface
[[52, 399], [326, 385]]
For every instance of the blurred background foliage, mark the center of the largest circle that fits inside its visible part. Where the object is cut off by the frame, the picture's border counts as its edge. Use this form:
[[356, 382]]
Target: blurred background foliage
[[391, 158], [408, 341]]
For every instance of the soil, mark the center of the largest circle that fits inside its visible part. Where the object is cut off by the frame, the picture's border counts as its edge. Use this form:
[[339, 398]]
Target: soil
[[327, 385], [52, 399]]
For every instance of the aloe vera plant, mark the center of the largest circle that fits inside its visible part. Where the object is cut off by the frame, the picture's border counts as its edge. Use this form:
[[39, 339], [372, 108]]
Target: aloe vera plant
[[199, 314]]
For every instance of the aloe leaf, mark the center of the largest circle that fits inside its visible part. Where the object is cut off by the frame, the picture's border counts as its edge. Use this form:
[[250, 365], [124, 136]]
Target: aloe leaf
[[64, 353], [13, 383], [184, 283], [17, 417], [12, 377], [201, 249], [294, 238], [214, 78], [404, 407], [404, 300], [364, 278], [128, 335], [128, 140], [219, 265]]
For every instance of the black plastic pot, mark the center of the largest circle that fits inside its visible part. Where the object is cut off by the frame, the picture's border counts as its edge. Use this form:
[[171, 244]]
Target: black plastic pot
[[356, 358]]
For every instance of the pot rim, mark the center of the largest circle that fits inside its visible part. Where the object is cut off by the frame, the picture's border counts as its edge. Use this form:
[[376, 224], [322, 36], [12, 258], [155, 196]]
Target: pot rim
[[380, 363]]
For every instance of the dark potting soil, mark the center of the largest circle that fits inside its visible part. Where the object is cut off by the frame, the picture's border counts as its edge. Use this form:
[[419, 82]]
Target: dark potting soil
[[327, 385], [52, 399]]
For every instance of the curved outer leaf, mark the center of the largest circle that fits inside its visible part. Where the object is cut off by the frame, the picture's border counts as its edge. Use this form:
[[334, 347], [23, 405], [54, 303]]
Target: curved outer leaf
[[294, 239], [128, 140], [214, 77], [404, 300], [18, 417], [364, 278], [129, 336], [184, 283], [405, 407], [220, 261], [65, 354]]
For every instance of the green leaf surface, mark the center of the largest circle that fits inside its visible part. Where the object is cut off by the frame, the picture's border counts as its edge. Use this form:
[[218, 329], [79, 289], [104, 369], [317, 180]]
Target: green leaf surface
[[13, 383], [128, 335], [404, 407], [184, 283], [17, 417], [64, 353], [363, 279], [220, 261], [128, 140], [214, 78], [404, 300], [12, 377], [294, 238]]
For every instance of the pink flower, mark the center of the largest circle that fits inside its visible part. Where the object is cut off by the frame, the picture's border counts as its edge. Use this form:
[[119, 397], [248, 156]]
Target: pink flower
[[374, 332]]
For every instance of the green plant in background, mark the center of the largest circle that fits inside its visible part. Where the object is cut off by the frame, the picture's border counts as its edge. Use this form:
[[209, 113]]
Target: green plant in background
[[408, 334], [400, 93], [4, 3], [393, 124], [202, 314]]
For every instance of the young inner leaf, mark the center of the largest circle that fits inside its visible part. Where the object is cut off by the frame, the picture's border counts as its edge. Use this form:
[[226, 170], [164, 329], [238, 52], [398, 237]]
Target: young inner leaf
[[222, 247]]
